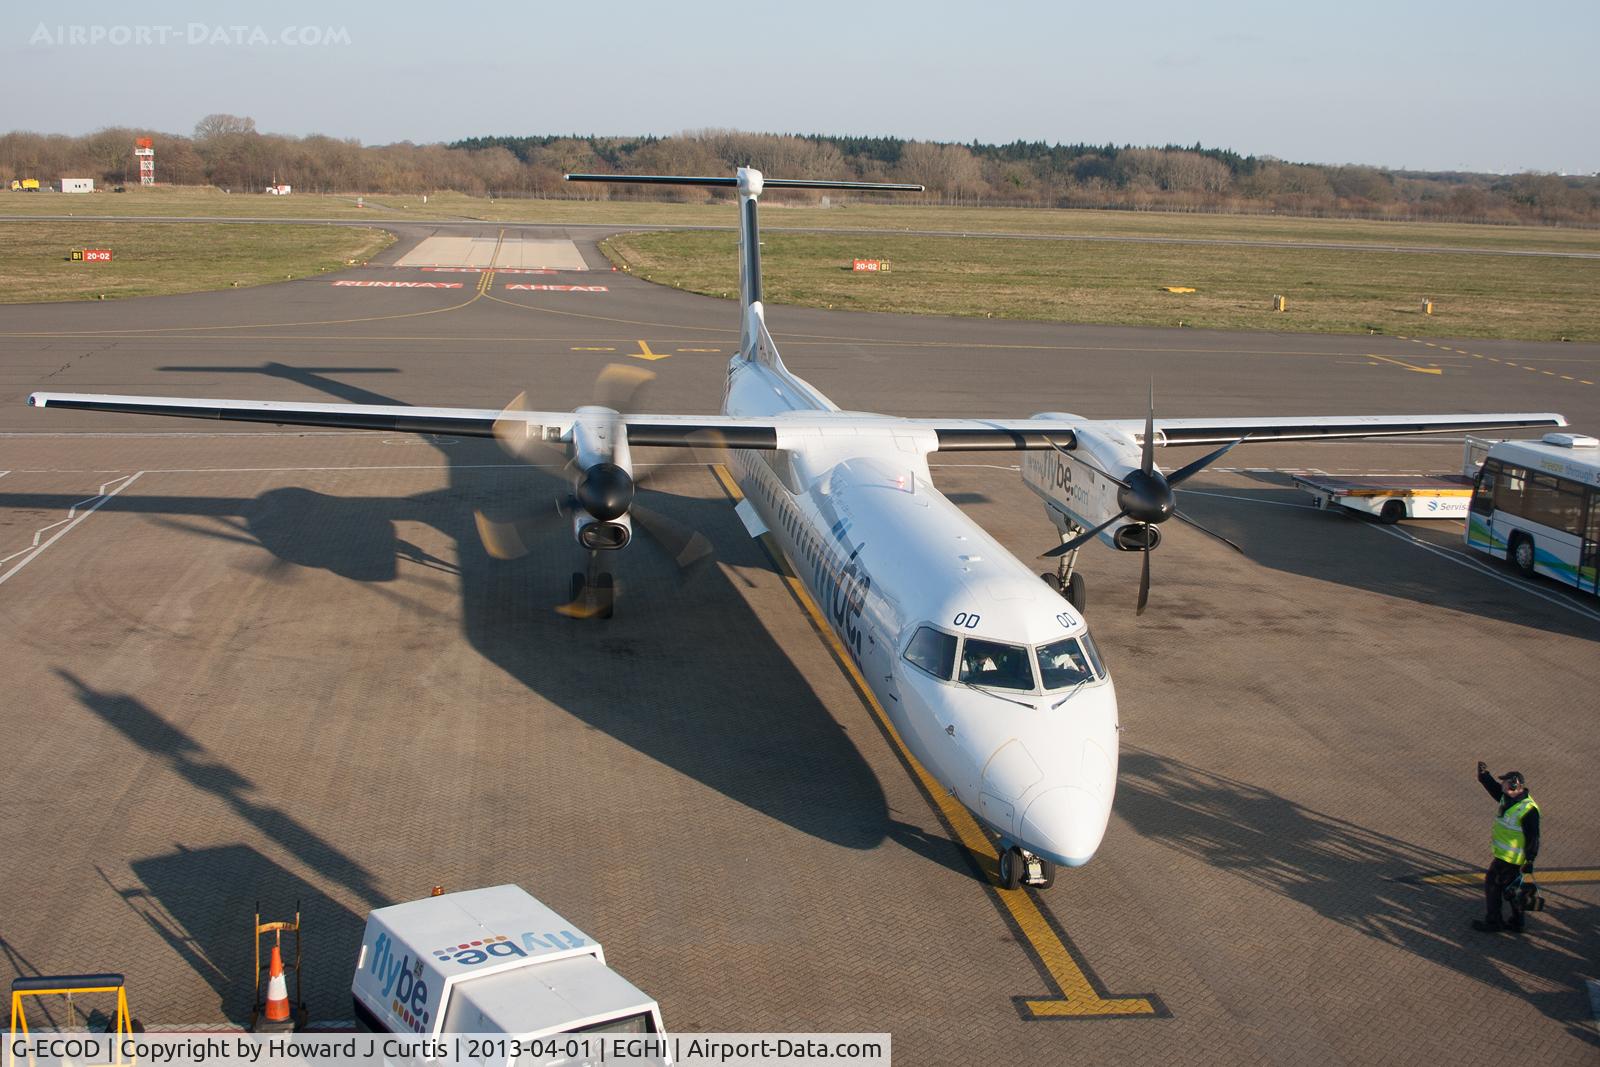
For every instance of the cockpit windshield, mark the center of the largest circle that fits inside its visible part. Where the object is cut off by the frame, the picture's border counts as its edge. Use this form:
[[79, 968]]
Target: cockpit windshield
[[996, 665], [1064, 663]]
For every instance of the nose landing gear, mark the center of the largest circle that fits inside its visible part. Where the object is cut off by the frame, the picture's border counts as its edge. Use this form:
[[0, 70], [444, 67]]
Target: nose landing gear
[[1019, 867], [593, 592]]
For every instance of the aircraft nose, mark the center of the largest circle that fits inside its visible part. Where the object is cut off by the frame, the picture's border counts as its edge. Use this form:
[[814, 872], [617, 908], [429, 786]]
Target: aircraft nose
[[1064, 824]]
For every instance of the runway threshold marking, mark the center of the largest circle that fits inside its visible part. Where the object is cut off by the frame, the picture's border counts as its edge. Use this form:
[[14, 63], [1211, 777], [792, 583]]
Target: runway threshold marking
[[74, 517], [645, 353], [1561, 876], [1079, 993], [1407, 366]]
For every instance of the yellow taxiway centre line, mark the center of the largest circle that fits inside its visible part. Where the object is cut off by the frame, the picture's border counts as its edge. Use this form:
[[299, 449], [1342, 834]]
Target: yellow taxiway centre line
[[645, 353], [1568, 876], [1403, 363], [1079, 997]]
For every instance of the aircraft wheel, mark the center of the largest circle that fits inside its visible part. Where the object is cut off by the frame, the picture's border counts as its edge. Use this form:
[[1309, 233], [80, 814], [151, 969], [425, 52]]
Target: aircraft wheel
[[1012, 866], [1051, 580], [606, 594], [1077, 592]]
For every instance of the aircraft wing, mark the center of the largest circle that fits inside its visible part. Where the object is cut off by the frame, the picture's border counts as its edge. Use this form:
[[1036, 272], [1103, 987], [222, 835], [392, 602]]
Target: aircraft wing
[[790, 430], [732, 431], [1329, 427]]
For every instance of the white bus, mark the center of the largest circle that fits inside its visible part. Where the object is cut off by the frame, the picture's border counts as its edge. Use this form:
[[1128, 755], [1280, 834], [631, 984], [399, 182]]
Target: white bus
[[1537, 503]]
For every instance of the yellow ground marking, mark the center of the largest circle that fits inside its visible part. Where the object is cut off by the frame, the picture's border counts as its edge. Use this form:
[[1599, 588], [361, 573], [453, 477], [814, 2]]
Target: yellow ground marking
[[1568, 378], [1462, 351], [593, 348], [645, 353], [1511, 364], [697, 350], [1079, 998], [1407, 366], [1570, 876]]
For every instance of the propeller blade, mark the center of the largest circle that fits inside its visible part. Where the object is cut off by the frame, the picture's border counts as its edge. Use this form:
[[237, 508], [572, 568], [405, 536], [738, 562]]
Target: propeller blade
[[517, 437], [686, 546], [1081, 539], [1209, 533], [1147, 461], [585, 607], [618, 386], [502, 540], [1203, 462], [1144, 582], [1113, 479]]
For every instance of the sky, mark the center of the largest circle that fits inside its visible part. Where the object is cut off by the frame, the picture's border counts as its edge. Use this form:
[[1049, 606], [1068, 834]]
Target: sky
[[1461, 86]]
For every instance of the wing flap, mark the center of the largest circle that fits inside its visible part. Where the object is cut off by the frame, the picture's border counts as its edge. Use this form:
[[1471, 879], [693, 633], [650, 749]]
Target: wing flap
[[1332, 427]]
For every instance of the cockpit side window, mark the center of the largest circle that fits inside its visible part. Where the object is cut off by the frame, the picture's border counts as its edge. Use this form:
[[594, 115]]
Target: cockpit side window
[[998, 666], [1064, 663], [934, 651], [1094, 654]]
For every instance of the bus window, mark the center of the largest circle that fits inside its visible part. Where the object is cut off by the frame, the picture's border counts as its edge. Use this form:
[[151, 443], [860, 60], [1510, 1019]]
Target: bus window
[[1557, 504], [1483, 490], [1508, 489]]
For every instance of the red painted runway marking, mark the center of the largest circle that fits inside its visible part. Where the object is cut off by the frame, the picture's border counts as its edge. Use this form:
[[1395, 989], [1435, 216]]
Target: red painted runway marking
[[560, 288], [497, 270], [400, 285]]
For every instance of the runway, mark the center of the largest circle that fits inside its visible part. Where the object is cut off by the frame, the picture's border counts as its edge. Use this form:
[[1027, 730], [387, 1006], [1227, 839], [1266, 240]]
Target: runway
[[278, 666]]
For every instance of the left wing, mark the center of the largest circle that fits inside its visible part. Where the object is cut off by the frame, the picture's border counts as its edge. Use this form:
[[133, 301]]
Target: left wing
[[792, 430]]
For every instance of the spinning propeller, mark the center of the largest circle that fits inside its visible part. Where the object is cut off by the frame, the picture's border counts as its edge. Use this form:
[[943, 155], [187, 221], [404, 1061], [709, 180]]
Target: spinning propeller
[[601, 505], [1146, 497]]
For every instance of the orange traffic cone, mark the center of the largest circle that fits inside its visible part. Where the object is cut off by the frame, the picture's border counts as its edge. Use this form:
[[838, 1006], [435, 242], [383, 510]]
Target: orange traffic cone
[[277, 989]]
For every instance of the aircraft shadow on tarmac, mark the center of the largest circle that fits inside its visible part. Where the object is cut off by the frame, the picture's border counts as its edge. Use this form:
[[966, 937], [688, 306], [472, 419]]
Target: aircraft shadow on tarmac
[[1362, 879], [1337, 548], [705, 692]]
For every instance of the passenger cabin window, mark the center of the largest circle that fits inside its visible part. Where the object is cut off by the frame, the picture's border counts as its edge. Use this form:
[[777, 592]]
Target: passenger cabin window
[[997, 666], [934, 651], [1063, 664]]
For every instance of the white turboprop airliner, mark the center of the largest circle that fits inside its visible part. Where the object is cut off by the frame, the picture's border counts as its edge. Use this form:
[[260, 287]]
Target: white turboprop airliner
[[988, 674]]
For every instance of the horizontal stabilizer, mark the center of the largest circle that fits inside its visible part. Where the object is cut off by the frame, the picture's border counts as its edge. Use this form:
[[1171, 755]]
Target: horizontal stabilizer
[[730, 182]]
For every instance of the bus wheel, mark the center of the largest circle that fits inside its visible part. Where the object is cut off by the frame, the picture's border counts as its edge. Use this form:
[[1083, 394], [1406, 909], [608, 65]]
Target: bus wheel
[[1392, 512], [1522, 556]]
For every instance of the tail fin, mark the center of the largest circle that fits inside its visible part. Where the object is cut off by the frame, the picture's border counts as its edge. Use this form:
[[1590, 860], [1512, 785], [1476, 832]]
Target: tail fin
[[755, 344]]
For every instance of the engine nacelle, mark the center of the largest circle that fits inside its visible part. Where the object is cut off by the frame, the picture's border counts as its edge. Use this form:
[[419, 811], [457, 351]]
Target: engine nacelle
[[599, 535], [1136, 537]]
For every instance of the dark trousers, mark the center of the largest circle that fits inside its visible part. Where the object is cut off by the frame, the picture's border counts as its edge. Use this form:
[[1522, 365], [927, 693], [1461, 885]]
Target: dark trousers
[[1495, 880]]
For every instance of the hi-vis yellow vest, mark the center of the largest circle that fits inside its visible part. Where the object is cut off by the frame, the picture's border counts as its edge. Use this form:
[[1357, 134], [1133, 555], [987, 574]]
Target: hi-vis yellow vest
[[1509, 840]]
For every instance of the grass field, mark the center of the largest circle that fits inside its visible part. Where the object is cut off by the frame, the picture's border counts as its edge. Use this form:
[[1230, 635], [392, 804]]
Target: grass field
[[191, 202], [155, 258], [1328, 290]]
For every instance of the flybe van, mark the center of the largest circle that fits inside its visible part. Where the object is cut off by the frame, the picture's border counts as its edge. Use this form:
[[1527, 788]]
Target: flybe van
[[490, 961]]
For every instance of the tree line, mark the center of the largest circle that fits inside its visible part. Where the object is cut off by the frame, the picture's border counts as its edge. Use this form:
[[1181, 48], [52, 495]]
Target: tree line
[[228, 151]]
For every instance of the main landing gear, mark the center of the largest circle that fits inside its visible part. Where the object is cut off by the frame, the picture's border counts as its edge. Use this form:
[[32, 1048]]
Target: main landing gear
[[1065, 580], [1019, 867], [593, 592]]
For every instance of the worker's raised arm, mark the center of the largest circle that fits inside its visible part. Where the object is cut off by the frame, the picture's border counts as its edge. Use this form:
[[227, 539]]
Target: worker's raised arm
[[1489, 781]]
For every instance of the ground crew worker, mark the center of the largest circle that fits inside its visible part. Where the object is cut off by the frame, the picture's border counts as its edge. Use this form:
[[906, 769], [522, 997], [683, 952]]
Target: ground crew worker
[[1516, 843]]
